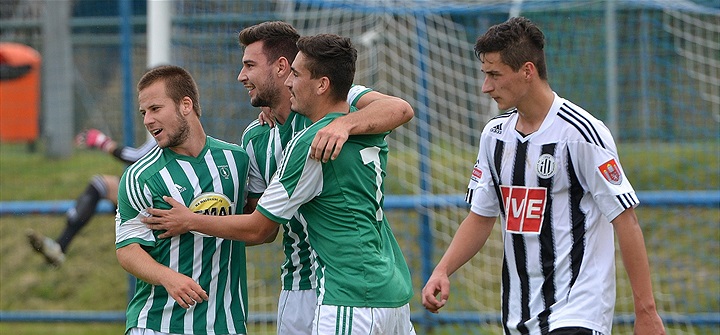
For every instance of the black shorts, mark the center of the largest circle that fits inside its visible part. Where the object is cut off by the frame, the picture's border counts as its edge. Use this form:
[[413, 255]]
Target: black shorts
[[574, 331]]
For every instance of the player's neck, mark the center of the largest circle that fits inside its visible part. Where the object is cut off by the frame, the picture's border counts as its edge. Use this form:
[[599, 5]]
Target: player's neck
[[282, 111], [533, 110], [326, 107], [194, 144]]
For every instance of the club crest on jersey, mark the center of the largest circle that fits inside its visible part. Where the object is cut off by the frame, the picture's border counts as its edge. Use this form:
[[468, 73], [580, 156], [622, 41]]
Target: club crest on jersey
[[224, 171], [210, 203], [610, 170], [524, 208], [546, 166]]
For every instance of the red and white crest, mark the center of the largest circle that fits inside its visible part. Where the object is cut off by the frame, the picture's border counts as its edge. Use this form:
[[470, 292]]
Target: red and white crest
[[610, 170], [477, 173]]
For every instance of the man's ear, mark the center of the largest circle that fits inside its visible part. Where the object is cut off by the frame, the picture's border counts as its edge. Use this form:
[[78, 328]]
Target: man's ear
[[528, 70], [283, 67], [323, 85], [186, 105]]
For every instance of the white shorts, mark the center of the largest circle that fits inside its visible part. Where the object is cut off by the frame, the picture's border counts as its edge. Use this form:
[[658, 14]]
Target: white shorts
[[296, 311], [145, 331], [332, 320]]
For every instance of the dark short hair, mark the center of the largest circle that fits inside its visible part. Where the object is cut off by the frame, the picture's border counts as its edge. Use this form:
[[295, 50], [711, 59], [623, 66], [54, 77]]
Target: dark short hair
[[518, 41], [331, 56], [279, 39], [178, 84]]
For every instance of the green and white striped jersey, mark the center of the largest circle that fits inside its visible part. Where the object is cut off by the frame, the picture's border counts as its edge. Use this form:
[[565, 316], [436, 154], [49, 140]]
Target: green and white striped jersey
[[265, 147], [214, 184], [359, 262]]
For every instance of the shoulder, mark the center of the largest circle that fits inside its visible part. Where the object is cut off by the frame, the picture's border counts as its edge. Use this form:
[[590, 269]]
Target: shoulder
[[582, 125], [356, 92], [215, 143], [496, 124], [146, 166], [254, 130]]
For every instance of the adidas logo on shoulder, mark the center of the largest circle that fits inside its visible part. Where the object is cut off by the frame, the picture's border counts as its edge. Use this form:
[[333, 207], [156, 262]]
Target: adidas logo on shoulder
[[497, 129]]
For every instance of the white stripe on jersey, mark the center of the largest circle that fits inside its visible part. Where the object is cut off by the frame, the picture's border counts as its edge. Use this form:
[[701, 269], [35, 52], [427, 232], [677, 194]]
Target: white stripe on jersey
[[217, 184], [295, 257], [137, 200], [236, 179], [191, 176], [290, 146]]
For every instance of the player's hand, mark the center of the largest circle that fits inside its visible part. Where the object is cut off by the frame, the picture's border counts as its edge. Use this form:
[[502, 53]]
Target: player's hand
[[437, 284], [175, 221], [184, 290], [266, 116], [328, 141], [93, 138], [648, 322]]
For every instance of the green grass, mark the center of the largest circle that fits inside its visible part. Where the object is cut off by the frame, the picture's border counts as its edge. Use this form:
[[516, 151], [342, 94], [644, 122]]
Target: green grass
[[683, 244]]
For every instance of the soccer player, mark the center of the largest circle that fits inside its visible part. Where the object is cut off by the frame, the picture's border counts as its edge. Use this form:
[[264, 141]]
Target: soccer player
[[270, 48], [551, 171], [192, 283], [363, 280], [100, 187]]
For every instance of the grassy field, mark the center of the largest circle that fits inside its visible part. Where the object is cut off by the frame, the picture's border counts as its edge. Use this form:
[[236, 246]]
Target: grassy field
[[91, 279]]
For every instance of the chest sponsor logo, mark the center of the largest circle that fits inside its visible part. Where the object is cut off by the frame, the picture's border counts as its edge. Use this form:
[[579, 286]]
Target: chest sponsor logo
[[525, 208], [611, 172], [546, 166], [210, 203]]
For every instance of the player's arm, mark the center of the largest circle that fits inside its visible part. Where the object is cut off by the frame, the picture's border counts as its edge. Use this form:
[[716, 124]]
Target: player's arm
[[95, 139], [468, 240], [377, 113], [635, 260], [252, 228], [139, 263], [249, 209]]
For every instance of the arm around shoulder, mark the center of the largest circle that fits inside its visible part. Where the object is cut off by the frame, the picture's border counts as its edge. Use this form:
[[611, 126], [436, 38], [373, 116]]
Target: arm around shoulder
[[378, 113]]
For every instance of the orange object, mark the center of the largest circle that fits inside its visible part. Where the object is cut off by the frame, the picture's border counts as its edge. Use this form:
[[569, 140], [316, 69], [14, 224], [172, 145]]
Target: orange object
[[19, 92]]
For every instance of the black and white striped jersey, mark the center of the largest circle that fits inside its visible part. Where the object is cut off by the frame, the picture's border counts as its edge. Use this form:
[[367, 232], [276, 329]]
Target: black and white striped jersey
[[556, 191]]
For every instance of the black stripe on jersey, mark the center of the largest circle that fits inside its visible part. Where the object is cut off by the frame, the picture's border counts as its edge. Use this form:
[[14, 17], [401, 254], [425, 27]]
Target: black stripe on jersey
[[627, 200], [582, 124], [547, 249], [497, 161], [577, 219], [505, 294], [504, 115], [518, 241]]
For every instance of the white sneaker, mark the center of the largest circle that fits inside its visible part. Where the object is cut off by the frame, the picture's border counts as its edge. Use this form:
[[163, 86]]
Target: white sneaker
[[47, 247]]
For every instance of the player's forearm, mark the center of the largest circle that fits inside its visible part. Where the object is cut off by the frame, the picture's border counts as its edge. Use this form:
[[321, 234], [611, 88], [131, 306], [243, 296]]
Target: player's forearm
[[467, 242], [378, 116], [635, 260], [251, 228], [140, 264]]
